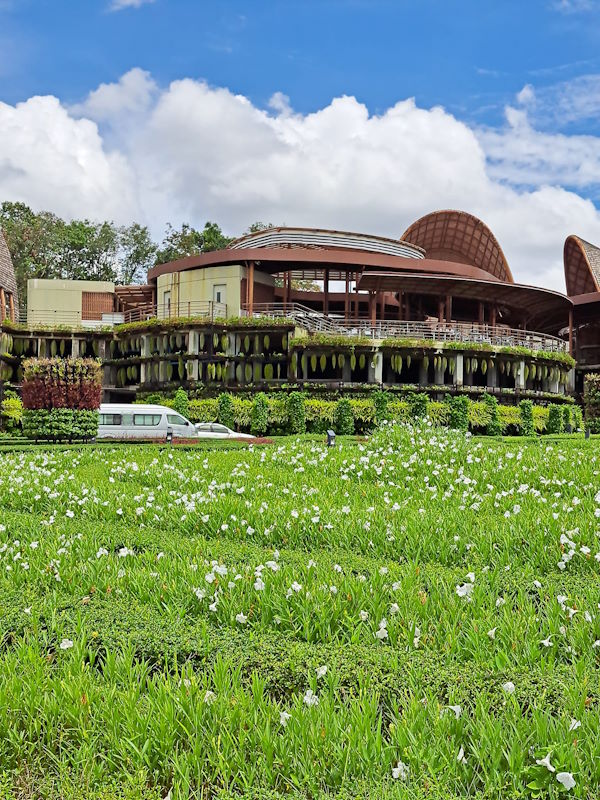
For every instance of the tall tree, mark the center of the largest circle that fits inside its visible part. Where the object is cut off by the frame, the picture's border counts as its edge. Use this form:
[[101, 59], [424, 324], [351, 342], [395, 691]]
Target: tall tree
[[188, 241], [137, 252]]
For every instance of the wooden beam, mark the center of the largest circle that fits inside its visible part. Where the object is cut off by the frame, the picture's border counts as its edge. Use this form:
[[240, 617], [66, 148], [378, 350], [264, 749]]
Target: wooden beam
[[571, 331], [347, 298], [440, 310], [493, 312], [481, 313], [400, 306], [382, 297], [372, 307], [2, 305], [448, 308], [326, 293], [11, 306]]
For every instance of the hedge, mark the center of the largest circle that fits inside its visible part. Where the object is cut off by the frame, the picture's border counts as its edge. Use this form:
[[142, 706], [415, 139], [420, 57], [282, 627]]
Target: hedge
[[60, 424], [591, 401], [317, 416]]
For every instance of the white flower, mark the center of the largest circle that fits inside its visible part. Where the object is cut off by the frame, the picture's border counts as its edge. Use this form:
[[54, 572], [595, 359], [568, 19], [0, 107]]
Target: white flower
[[259, 584], [400, 771], [508, 687], [27, 610], [575, 723], [492, 633], [321, 671], [464, 590], [241, 618], [457, 710], [471, 577], [310, 698], [547, 642], [283, 718], [101, 552], [209, 697], [566, 778], [66, 644], [394, 608], [382, 634], [363, 616], [70, 513], [209, 577], [200, 593], [461, 758], [296, 587], [545, 762], [537, 584], [500, 602]]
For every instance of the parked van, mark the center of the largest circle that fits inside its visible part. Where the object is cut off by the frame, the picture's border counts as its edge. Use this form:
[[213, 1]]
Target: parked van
[[127, 421]]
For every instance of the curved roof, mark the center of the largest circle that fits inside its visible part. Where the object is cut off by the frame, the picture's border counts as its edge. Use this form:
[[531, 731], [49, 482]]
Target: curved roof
[[8, 280], [458, 236], [582, 266], [317, 238]]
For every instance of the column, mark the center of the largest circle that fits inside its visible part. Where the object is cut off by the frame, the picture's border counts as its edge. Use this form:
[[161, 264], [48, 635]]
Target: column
[[11, 307], [2, 304], [571, 331], [251, 288], [440, 310], [347, 298], [326, 293], [448, 308], [492, 376], [457, 378], [372, 308], [74, 347], [439, 371], [520, 376], [193, 349]]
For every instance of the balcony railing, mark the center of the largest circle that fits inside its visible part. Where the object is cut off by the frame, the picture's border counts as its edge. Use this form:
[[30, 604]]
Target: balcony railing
[[204, 309], [468, 332]]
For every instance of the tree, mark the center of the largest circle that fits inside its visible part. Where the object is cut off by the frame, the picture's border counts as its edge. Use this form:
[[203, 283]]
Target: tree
[[213, 238], [87, 250], [137, 252], [187, 241]]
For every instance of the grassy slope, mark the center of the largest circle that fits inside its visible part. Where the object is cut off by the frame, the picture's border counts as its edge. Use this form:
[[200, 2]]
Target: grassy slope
[[125, 711]]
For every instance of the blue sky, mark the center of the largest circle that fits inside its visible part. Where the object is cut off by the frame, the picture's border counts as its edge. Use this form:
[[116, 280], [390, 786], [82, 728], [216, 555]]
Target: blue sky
[[357, 114], [470, 56]]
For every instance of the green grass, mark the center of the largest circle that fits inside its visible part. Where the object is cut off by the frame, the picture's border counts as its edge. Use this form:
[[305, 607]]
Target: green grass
[[204, 591]]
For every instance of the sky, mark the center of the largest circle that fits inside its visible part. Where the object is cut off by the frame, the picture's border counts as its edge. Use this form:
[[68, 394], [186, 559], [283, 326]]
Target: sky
[[350, 114]]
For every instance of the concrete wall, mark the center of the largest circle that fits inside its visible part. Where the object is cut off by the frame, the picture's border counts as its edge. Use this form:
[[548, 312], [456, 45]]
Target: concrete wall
[[59, 301], [191, 288]]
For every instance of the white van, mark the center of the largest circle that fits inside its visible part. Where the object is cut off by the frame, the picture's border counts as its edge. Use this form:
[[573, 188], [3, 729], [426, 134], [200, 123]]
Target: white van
[[131, 421]]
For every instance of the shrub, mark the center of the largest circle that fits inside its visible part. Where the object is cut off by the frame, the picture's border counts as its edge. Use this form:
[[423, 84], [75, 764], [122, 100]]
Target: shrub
[[555, 419], [591, 401], [380, 401], [181, 404], [11, 412], [459, 413], [577, 417], [526, 409], [418, 403], [493, 427], [225, 411], [566, 416], [319, 415], [438, 413], [60, 423], [259, 420], [343, 419], [203, 410], [296, 413], [62, 383]]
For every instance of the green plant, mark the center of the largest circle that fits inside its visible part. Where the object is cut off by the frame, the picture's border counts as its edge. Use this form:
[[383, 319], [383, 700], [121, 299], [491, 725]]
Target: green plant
[[343, 419], [296, 412], [418, 403], [260, 415], [225, 411], [181, 404], [380, 401], [493, 427], [11, 413], [459, 413], [555, 419], [526, 410]]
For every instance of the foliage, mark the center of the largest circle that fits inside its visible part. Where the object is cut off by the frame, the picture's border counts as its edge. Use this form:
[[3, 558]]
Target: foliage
[[204, 410], [526, 409], [339, 341], [181, 403], [187, 241], [591, 401], [380, 401], [417, 403], [566, 413], [555, 419], [62, 383], [259, 419], [343, 419], [493, 427], [296, 412], [11, 412], [459, 413], [59, 424], [225, 411]]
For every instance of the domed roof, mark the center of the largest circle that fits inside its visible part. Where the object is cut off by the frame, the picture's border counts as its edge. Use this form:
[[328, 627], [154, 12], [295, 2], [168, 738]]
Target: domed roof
[[8, 281], [582, 266], [460, 237]]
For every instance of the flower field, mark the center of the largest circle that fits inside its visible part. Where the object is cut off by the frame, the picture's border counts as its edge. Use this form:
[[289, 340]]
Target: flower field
[[415, 616]]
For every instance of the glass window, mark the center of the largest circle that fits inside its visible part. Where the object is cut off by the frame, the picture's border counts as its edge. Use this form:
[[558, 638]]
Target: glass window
[[110, 419], [220, 429], [175, 419], [146, 419]]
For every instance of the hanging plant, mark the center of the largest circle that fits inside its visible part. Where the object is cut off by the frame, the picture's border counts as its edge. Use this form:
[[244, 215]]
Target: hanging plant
[[452, 366], [323, 362], [425, 363], [313, 363], [246, 343], [248, 373], [134, 372], [238, 373], [179, 341], [53, 348], [278, 370], [169, 371], [333, 360], [362, 360], [219, 372], [266, 341], [284, 341], [444, 363], [474, 365], [408, 360], [304, 362], [341, 360], [484, 366], [268, 372], [257, 372], [215, 340], [294, 362], [533, 371], [202, 340], [181, 368], [256, 343], [353, 362], [526, 373]]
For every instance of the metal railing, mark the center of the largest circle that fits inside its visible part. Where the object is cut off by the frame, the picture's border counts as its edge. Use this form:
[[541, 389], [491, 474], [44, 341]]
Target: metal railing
[[468, 332], [50, 318], [205, 309]]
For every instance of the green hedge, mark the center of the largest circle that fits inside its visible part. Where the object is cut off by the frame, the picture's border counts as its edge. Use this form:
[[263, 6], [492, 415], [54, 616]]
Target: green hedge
[[60, 424]]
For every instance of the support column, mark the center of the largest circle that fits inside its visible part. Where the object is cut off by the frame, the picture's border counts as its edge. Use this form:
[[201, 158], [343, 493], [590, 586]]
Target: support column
[[326, 293], [347, 298], [74, 347], [382, 298], [251, 288], [493, 315], [520, 376], [372, 308], [457, 378], [448, 308], [356, 302], [571, 331], [439, 372], [492, 376], [400, 306], [440, 310], [11, 307], [193, 350], [2, 304], [407, 307], [481, 313]]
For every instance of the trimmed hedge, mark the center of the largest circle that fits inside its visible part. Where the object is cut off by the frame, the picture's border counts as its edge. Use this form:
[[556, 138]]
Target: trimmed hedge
[[591, 401], [295, 413], [60, 423]]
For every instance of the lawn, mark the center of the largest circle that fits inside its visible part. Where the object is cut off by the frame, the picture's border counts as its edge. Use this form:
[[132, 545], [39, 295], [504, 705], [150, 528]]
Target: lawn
[[413, 616]]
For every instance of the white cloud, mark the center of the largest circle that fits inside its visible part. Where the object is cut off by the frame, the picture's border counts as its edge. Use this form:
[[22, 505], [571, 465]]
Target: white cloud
[[194, 152], [574, 6], [119, 5]]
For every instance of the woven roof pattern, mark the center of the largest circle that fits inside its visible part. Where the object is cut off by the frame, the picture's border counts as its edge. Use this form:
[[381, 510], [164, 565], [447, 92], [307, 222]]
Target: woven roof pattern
[[582, 266], [460, 237], [8, 281]]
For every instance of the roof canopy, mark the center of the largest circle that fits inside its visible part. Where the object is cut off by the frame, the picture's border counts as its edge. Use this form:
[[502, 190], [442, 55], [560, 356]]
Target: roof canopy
[[8, 280], [458, 236], [582, 266]]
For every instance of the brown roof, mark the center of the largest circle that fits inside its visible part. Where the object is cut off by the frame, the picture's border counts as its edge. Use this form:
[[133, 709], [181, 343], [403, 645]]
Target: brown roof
[[8, 280], [458, 236], [582, 266]]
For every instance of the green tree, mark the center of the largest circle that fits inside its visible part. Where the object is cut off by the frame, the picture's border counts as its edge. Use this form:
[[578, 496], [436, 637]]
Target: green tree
[[137, 252], [188, 241]]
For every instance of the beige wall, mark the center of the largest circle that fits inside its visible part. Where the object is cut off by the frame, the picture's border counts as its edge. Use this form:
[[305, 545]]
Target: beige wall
[[192, 288], [59, 302]]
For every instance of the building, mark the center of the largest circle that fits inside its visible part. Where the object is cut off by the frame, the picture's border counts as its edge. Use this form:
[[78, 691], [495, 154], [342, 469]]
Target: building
[[582, 278], [436, 309], [8, 284]]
